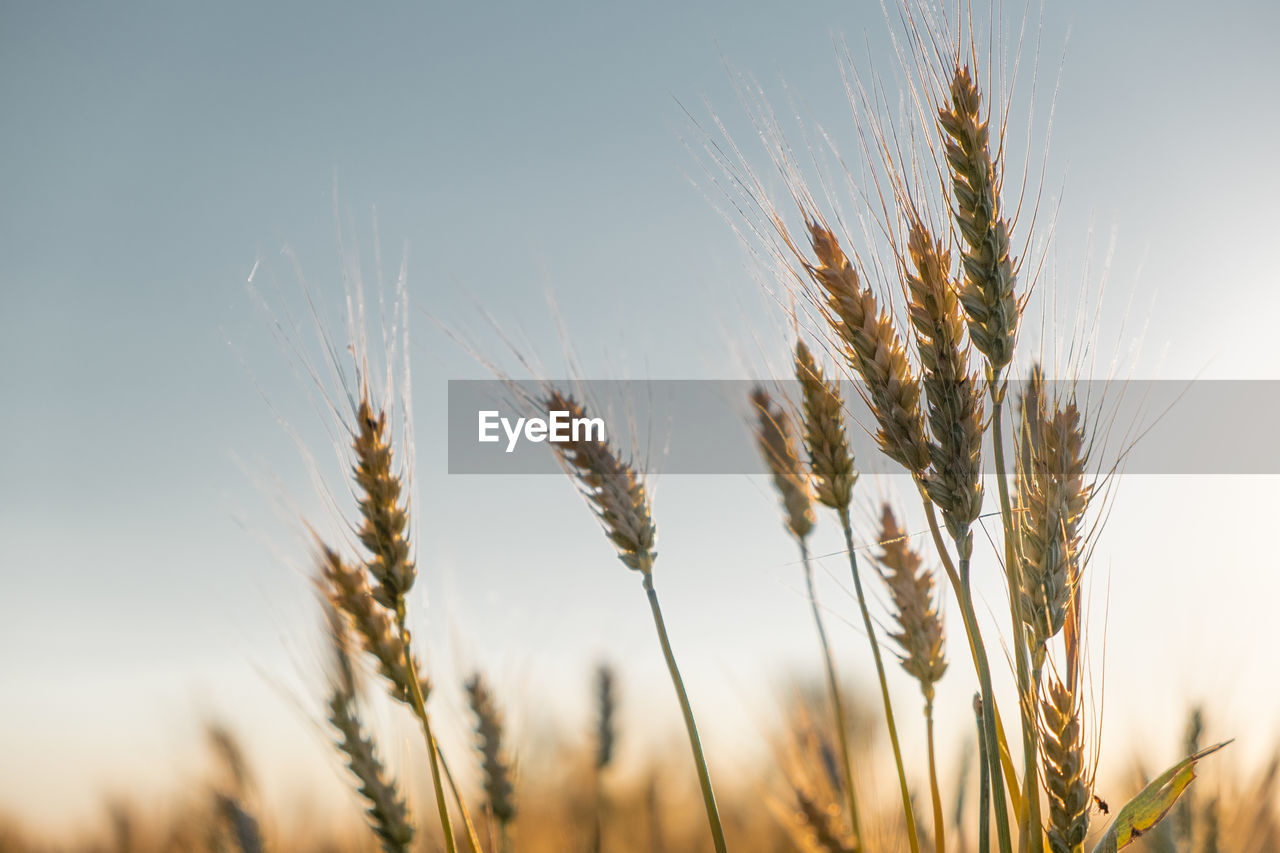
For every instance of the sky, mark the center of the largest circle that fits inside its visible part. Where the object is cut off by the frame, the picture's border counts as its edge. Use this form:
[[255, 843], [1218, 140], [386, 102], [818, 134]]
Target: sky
[[543, 164]]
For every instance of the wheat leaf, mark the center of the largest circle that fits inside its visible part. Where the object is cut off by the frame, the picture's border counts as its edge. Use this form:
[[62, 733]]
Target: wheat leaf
[[1152, 803]]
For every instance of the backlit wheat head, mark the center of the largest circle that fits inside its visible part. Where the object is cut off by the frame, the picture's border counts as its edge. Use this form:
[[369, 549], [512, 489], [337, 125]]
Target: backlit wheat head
[[613, 488]]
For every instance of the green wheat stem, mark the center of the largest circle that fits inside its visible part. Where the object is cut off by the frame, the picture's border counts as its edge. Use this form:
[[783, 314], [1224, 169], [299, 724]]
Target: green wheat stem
[[984, 781], [473, 840], [837, 705], [1032, 834], [939, 825], [884, 684], [991, 737], [420, 709], [704, 778], [1002, 745]]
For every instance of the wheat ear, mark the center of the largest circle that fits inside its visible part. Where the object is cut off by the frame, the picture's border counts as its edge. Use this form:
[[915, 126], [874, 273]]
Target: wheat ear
[[954, 403], [621, 503], [919, 635], [384, 527], [244, 826], [349, 591], [1184, 816], [873, 349], [498, 787], [830, 460], [350, 597], [989, 279], [606, 713], [1067, 785], [386, 810], [613, 489], [229, 798], [774, 440], [1053, 497], [820, 826]]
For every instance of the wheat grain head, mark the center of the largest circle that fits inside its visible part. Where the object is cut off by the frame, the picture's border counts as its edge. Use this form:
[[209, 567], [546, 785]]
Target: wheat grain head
[[874, 350], [774, 439], [489, 743], [613, 488], [953, 401], [989, 277], [919, 633], [830, 460]]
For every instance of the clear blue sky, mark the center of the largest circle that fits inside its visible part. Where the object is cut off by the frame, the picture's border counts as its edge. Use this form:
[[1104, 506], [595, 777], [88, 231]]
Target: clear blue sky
[[153, 152]]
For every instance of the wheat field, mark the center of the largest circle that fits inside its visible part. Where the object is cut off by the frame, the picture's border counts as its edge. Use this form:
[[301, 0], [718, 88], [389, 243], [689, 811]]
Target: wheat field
[[931, 537]]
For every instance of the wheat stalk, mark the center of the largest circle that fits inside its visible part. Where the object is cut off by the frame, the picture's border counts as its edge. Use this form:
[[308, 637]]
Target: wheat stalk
[[383, 532], [621, 503], [985, 781], [833, 475], [822, 401], [993, 313], [919, 635]]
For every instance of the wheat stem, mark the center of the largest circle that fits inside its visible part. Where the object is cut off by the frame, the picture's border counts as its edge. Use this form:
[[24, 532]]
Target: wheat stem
[[908, 811], [939, 826], [1031, 831], [704, 778], [837, 706], [993, 733], [984, 780], [420, 709], [1002, 744], [473, 840]]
